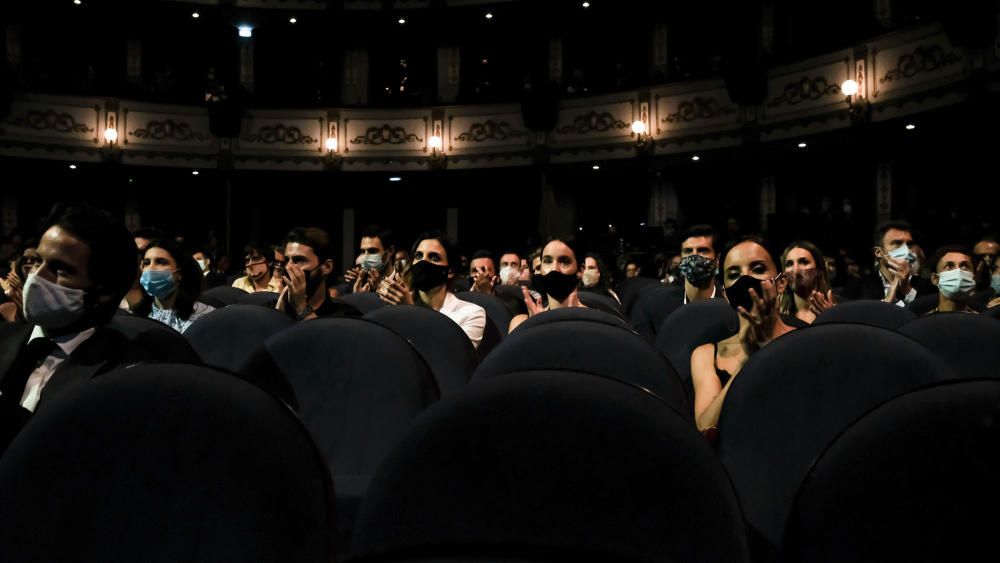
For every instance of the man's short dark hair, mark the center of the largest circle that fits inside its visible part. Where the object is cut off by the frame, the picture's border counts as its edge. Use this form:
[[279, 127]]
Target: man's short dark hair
[[261, 248], [315, 238], [112, 266], [884, 228], [382, 234], [701, 231], [482, 253], [940, 252]]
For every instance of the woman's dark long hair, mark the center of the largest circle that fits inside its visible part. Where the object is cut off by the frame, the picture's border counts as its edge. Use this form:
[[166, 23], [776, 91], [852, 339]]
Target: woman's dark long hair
[[604, 284], [786, 302], [189, 287]]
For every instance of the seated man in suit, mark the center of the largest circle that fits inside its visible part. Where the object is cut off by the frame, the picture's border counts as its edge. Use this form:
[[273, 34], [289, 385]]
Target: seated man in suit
[[86, 266], [894, 281], [309, 263]]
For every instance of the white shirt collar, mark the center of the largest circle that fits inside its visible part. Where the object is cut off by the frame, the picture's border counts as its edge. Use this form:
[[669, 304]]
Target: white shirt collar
[[715, 288], [68, 343], [451, 303]]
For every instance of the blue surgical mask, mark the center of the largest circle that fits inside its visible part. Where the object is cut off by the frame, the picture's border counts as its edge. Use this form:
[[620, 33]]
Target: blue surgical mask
[[956, 283], [158, 283], [903, 253], [371, 261], [995, 282]]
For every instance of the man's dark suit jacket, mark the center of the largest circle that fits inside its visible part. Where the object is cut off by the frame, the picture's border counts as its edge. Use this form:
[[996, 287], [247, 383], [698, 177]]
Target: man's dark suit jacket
[[871, 287], [104, 351]]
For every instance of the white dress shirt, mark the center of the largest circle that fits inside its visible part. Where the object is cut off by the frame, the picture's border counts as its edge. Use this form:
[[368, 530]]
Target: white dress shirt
[[715, 289], [469, 316], [65, 345]]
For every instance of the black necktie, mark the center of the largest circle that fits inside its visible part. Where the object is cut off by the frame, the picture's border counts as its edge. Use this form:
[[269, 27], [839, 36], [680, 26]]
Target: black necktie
[[27, 361]]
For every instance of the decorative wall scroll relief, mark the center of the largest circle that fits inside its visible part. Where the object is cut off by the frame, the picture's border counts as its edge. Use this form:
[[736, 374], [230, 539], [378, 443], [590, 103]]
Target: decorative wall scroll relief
[[50, 120], [168, 129], [279, 133], [386, 135], [698, 108], [593, 121], [925, 58], [490, 130], [804, 89]]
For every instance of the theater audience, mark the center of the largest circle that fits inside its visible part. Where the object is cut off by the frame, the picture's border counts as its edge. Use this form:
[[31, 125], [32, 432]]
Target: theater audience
[[632, 268], [427, 284], [510, 268], [86, 264], [985, 254], [21, 264], [482, 272], [893, 280], [596, 277], [808, 292], [258, 265], [559, 276], [309, 263], [953, 275], [375, 251], [752, 285], [172, 279], [211, 277]]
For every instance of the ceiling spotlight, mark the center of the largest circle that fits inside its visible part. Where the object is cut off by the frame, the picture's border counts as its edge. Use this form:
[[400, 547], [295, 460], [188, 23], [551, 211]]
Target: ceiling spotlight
[[395, 179], [194, 172], [246, 31], [910, 127], [402, 21], [696, 158], [489, 15], [77, 2], [586, 4], [73, 166], [802, 145], [292, 20], [195, 15], [596, 167], [849, 87]]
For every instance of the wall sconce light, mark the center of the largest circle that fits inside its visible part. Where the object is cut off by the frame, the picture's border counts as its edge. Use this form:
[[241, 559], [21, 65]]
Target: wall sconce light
[[332, 159], [437, 157], [640, 128], [858, 110], [111, 151]]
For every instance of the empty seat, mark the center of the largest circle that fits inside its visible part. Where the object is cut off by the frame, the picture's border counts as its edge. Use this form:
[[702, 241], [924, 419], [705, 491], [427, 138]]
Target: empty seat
[[546, 466], [225, 338], [653, 307], [602, 303], [913, 480], [221, 296], [630, 289], [498, 317], [691, 326], [867, 312], [578, 314], [365, 302], [165, 463], [587, 347], [970, 344], [795, 396], [156, 342], [260, 298], [442, 343]]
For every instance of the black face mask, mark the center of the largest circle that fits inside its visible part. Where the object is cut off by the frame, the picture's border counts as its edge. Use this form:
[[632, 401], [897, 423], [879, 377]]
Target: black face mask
[[559, 285], [427, 276], [738, 294]]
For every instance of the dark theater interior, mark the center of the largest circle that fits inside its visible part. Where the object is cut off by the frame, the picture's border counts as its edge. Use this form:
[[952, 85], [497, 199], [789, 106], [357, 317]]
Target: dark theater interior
[[499, 281]]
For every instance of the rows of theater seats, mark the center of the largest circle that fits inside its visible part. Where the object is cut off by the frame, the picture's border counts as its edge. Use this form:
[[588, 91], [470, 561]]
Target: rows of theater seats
[[870, 436]]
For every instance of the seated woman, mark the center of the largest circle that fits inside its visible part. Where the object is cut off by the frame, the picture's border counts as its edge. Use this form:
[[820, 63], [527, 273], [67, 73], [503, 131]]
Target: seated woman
[[258, 259], [752, 284], [558, 279], [808, 293], [431, 276], [21, 264], [173, 279], [596, 277]]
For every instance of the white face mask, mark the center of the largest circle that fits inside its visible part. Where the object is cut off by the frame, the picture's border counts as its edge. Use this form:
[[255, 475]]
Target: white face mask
[[956, 283], [903, 253], [591, 277], [509, 275], [50, 305], [203, 264]]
